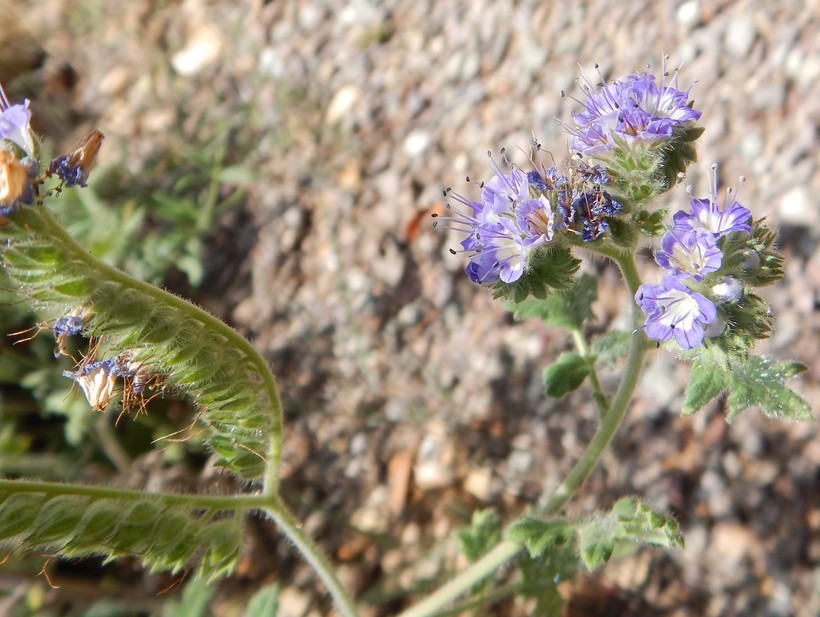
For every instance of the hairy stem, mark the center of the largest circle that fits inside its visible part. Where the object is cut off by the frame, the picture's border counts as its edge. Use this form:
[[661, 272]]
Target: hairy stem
[[292, 528], [550, 504]]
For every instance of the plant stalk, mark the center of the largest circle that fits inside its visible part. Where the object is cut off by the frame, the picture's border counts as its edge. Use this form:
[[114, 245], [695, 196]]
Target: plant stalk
[[508, 549]]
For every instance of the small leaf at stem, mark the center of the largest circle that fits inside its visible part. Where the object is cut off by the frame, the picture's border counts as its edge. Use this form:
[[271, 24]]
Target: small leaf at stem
[[568, 372]]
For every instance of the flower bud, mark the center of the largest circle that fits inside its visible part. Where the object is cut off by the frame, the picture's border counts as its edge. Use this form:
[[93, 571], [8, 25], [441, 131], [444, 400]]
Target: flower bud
[[728, 290]]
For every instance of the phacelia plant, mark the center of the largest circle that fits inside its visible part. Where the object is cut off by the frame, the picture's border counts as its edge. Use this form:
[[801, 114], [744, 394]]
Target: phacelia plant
[[523, 237]]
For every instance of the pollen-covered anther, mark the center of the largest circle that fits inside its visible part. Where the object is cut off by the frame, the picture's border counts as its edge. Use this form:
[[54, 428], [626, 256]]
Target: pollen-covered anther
[[73, 168], [15, 184]]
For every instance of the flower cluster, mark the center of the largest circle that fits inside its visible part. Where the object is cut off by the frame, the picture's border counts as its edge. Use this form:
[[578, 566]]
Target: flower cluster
[[692, 256], [519, 213], [505, 228], [629, 111], [522, 213]]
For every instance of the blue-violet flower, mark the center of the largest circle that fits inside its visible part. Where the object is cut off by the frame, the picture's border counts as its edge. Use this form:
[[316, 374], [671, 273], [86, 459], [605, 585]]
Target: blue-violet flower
[[14, 123], [706, 214], [503, 229], [631, 109], [689, 252], [674, 310]]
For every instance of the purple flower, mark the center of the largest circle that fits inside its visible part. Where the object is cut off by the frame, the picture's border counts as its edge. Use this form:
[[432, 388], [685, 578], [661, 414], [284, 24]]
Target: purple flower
[[706, 214], [689, 252], [14, 123], [631, 109], [672, 309], [503, 229], [501, 251]]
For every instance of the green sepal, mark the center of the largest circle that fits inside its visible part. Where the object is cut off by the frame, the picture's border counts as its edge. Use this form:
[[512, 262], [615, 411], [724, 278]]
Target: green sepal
[[679, 153], [623, 232], [568, 309], [549, 268], [650, 223], [565, 374]]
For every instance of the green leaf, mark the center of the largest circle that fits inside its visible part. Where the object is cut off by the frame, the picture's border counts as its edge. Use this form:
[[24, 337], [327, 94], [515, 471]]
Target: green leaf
[[759, 381], [538, 535], [540, 576], [194, 601], [612, 345], [650, 223], [567, 309], [566, 374], [708, 378], [551, 268], [484, 533], [628, 521], [264, 603]]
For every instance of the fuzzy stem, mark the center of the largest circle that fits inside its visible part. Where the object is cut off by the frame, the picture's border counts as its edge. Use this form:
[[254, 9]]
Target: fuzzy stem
[[292, 528], [54, 489], [598, 393], [508, 549]]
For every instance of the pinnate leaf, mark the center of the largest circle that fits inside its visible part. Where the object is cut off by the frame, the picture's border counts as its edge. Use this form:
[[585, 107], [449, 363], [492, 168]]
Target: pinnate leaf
[[628, 521], [483, 534], [538, 535]]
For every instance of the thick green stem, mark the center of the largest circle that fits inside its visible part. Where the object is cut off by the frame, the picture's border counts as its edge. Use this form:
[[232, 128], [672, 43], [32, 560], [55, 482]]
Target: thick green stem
[[507, 549], [291, 527], [597, 391]]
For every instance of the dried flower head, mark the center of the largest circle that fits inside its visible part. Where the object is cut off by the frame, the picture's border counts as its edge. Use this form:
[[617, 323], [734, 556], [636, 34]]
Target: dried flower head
[[97, 380], [15, 184], [73, 168]]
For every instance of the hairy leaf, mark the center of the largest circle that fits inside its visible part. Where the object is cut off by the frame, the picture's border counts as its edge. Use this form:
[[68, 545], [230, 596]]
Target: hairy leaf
[[566, 374], [566, 309], [759, 381], [483, 533], [538, 535], [628, 521]]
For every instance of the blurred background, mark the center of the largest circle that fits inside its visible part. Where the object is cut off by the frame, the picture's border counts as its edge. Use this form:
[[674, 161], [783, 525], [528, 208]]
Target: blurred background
[[278, 162]]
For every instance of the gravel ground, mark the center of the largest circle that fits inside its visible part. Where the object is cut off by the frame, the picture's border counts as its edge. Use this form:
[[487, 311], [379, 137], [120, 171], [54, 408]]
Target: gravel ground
[[412, 399]]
